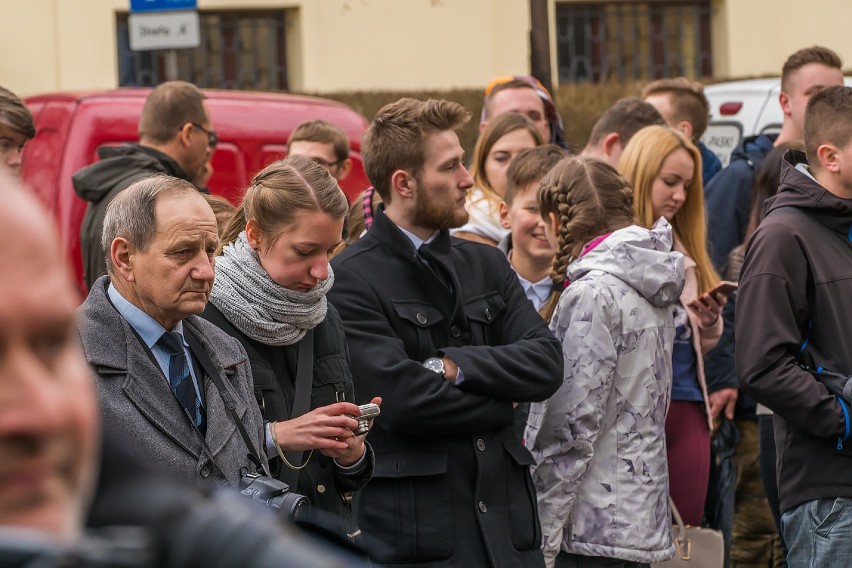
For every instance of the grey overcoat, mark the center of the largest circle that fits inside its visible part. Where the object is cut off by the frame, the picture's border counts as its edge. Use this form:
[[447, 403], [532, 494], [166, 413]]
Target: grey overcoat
[[135, 397]]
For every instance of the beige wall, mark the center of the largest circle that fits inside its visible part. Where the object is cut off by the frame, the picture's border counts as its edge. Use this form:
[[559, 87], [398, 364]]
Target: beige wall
[[761, 34], [332, 45]]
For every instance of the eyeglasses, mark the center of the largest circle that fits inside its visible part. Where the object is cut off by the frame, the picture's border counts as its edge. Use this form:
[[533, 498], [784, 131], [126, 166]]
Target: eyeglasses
[[212, 137], [323, 163]]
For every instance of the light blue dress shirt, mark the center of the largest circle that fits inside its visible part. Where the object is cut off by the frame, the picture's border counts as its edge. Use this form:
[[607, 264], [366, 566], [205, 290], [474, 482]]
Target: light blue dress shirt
[[150, 331]]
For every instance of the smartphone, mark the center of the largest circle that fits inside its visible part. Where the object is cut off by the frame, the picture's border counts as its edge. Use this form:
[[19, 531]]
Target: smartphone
[[725, 288]]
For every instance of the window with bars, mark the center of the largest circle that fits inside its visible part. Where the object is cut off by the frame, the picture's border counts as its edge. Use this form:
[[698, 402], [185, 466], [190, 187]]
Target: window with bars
[[633, 40], [239, 50]]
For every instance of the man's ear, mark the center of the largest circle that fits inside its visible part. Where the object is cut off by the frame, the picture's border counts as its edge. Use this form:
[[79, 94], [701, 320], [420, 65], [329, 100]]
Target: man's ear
[[121, 255], [344, 169], [829, 158], [184, 133], [504, 215], [403, 184], [784, 101], [482, 126], [609, 142], [685, 127]]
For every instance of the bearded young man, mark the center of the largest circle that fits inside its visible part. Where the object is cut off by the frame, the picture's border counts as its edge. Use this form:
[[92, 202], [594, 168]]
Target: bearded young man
[[442, 330]]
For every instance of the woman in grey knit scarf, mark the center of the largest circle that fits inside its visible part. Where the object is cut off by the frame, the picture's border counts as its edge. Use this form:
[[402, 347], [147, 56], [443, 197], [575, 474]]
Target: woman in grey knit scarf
[[270, 290]]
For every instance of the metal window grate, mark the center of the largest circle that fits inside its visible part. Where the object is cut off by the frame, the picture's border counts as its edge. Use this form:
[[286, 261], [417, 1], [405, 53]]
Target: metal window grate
[[239, 50], [633, 40]]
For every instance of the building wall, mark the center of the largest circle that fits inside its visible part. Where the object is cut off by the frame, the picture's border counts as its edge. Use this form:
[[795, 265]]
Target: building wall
[[759, 35], [337, 45], [332, 45]]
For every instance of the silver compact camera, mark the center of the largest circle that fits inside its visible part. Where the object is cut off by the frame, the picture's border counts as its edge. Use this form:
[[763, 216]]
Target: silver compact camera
[[368, 412]]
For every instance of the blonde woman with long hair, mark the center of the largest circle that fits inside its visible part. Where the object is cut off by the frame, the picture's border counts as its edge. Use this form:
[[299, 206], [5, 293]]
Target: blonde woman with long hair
[[664, 168], [504, 138]]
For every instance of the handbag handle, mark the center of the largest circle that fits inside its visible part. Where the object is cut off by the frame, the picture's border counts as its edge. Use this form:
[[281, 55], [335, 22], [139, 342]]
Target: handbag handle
[[682, 542]]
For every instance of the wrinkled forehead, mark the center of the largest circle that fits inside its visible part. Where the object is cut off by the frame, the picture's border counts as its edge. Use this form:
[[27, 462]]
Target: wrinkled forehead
[[188, 211]]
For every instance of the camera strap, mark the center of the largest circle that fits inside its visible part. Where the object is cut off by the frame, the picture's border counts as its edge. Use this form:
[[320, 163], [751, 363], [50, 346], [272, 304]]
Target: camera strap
[[301, 405], [230, 404]]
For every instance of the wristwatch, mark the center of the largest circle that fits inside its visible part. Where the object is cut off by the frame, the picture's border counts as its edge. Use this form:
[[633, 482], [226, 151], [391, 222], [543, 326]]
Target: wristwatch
[[435, 364]]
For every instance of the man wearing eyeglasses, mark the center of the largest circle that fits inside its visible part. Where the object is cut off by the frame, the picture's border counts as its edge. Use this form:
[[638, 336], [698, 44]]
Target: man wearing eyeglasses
[[325, 144], [176, 137]]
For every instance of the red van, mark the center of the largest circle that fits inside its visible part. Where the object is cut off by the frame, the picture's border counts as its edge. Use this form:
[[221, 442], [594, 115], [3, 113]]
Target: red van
[[253, 129]]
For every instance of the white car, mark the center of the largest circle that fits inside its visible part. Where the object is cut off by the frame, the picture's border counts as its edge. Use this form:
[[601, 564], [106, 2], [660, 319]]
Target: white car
[[742, 108]]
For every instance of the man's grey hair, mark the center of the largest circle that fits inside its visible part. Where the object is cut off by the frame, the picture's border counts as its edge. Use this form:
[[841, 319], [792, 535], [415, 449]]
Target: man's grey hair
[[131, 215]]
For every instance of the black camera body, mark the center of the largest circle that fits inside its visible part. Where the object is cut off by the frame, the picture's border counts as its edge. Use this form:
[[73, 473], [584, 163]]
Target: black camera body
[[274, 494]]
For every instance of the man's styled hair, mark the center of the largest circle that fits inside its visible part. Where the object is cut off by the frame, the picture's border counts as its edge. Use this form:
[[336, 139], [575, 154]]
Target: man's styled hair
[[530, 166], [828, 120], [626, 117], [132, 214], [687, 100], [168, 107], [394, 140], [815, 54], [15, 114], [323, 132]]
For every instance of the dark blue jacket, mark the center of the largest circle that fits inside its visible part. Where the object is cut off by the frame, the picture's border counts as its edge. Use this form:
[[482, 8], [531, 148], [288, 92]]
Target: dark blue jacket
[[710, 164], [728, 197]]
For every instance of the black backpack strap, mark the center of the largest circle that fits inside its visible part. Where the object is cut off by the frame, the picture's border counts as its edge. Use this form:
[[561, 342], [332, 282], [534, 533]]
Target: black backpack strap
[[301, 405]]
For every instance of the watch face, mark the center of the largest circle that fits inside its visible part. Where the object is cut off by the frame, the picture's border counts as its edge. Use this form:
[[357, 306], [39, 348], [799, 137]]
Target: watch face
[[434, 364]]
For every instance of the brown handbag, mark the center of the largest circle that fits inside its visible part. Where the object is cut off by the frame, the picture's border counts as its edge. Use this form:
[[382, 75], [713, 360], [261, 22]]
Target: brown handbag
[[695, 547]]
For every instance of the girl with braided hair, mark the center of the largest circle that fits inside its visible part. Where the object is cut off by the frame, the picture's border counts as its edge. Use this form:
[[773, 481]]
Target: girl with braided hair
[[664, 167], [599, 442]]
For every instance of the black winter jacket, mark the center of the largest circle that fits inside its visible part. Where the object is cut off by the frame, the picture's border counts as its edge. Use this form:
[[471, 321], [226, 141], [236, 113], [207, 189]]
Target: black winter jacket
[[100, 182], [795, 306], [274, 371], [452, 485]]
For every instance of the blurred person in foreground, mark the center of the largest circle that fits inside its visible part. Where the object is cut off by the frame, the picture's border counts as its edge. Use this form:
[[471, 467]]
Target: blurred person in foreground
[[50, 445], [442, 331]]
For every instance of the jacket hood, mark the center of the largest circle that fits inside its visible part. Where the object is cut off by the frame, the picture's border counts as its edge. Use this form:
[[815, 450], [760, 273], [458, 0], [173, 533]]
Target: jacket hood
[[754, 148], [641, 258], [118, 163], [800, 190]]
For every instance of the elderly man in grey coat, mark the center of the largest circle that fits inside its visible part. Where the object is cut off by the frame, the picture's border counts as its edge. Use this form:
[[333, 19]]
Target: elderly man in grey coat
[[157, 363]]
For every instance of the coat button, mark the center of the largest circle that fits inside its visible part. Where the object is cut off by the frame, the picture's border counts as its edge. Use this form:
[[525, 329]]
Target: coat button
[[488, 314], [320, 488], [482, 507], [455, 331], [205, 469], [480, 444], [421, 319]]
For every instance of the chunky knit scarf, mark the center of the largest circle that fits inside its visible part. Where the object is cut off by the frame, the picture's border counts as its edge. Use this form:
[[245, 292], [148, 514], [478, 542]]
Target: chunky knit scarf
[[260, 308]]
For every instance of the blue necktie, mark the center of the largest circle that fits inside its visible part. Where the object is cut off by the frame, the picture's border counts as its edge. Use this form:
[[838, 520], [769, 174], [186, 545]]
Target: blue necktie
[[180, 380]]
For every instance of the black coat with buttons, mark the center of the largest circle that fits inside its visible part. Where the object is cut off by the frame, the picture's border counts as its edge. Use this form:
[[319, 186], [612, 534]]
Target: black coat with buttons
[[451, 485], [274, 371]]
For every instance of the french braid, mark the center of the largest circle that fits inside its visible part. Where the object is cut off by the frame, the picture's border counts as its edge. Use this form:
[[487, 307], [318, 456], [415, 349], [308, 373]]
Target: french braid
[[589, 198]]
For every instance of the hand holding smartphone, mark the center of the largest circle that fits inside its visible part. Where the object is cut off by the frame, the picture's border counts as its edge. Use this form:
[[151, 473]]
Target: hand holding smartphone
[[723, 288]]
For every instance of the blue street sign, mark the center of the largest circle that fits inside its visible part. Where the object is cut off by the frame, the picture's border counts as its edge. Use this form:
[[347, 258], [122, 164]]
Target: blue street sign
[[162, 5]]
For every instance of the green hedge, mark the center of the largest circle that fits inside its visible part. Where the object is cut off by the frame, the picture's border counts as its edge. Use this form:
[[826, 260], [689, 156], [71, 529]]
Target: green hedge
[[580, 105]]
